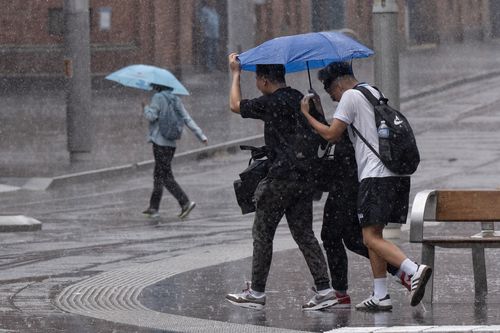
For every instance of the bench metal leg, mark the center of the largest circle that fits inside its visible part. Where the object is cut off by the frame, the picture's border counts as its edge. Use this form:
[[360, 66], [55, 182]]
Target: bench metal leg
[[428, 254], [479, 267]]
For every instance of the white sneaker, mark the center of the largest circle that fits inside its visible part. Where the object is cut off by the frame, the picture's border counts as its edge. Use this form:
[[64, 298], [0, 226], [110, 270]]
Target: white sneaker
[[374, 304], [247, 299], [418, 282], [319, 302]]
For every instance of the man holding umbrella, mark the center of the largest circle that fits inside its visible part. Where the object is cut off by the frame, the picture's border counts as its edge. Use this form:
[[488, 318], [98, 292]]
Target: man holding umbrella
[[284, 191]]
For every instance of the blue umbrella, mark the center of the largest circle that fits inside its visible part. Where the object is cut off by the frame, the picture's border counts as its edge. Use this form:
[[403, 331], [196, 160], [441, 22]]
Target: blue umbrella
[[304, 51], [142, 76]]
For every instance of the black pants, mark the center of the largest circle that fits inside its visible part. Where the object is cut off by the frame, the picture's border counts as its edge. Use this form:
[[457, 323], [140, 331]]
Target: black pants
[[341, 227], [163, 176], [275, 198]]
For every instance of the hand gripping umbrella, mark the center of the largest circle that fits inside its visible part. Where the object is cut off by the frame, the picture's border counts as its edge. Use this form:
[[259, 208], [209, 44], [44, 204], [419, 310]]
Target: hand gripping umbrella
[[304, 51], [142, 76]]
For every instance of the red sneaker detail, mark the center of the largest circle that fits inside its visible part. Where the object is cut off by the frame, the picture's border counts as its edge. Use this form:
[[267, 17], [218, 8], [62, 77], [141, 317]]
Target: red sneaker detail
[[343, 300], [405, 280]]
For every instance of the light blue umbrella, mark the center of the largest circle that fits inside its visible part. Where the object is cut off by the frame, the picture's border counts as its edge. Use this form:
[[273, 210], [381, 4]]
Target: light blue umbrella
[[142, 76], [304, 51]]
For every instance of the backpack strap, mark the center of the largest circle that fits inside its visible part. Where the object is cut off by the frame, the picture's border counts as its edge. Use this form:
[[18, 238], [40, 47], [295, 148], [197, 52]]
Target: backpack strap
[[257, 152], [365, 141], [374, 101], [172, 101], [369, 96]]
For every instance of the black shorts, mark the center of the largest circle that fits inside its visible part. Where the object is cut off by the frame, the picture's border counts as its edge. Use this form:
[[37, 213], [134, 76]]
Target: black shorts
[[383, 200]]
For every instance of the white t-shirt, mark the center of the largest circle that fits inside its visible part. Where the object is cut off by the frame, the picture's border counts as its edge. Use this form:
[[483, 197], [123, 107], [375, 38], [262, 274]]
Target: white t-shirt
[[354, 108]]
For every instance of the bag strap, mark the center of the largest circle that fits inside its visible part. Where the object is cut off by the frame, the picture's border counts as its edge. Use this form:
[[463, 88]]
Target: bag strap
[[365, 141], [374, 101], [244, 147], [369, 96], [172, 102], [256, 152]]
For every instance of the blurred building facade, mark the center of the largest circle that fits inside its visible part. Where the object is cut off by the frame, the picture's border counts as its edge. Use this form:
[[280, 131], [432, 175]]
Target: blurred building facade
[[171, 33]]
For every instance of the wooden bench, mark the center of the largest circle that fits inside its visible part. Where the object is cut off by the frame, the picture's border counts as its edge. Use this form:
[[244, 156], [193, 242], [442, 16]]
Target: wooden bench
[[457, 206]]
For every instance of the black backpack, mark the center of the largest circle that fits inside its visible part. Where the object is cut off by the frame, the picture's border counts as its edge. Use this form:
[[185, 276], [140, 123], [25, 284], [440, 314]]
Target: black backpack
[[401, 154], [314, 156]]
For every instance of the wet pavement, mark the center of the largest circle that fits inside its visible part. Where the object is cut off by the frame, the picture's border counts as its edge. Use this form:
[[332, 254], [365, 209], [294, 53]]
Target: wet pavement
[[287, 290], [97, 265]]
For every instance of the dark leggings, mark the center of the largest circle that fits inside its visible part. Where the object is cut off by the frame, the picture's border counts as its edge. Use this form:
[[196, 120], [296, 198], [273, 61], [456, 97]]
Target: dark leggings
[[163, 177], [341, 227]]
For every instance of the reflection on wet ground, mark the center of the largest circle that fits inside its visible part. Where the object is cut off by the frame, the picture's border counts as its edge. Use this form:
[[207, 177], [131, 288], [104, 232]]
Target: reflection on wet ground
[[200, 294], [66, 323]]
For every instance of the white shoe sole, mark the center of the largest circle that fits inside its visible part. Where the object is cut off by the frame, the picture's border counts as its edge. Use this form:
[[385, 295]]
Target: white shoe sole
[[253, 306], [321, 306]]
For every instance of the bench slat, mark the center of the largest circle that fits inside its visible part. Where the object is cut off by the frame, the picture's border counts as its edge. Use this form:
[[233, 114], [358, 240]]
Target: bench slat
[[458, 240], [468, 205]]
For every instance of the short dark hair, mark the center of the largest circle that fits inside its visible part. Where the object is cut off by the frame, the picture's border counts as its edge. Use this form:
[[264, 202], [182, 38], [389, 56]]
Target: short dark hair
[[333, 71], [273, 72]]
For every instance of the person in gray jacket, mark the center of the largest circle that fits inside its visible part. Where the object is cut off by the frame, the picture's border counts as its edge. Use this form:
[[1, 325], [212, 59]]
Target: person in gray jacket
[[164, 149]]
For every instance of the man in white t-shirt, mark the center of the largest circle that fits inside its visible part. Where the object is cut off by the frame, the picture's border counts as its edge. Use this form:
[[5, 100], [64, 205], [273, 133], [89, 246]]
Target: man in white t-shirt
[[383, 195]]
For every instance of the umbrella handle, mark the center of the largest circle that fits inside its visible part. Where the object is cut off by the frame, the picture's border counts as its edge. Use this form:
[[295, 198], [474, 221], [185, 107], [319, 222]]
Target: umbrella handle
[[309, 75]]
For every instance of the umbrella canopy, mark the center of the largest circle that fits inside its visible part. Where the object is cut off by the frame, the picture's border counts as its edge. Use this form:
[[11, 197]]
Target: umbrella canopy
[[304, 51], [142, 76]]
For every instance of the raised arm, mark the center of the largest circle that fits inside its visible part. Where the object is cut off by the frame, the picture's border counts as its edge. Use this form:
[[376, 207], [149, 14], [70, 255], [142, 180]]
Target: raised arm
[[151, 110], [235, 90]]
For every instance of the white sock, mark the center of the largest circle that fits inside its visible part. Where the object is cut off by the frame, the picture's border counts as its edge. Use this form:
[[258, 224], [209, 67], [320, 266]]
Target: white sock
[[380, 287], [399, 273], [325, 291], [409, 267]]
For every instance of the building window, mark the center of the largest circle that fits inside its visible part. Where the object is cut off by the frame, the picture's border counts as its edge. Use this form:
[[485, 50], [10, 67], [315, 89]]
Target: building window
[[56, 21], [104, 18]]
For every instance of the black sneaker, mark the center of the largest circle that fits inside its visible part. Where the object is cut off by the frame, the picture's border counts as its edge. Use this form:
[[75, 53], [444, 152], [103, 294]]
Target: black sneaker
[[151, 212], [186, 209]]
